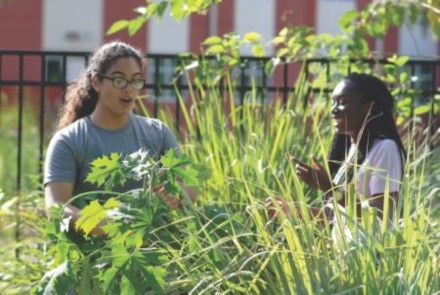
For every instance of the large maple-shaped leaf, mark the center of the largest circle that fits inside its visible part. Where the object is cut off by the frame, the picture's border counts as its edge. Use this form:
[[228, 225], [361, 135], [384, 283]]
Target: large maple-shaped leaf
[[103, 168], [137, 271], [171, 160], [93, 214]]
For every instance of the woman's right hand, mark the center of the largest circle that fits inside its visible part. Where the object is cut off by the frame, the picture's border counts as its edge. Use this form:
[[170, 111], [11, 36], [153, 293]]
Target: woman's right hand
[[315, 176], [173, 202]]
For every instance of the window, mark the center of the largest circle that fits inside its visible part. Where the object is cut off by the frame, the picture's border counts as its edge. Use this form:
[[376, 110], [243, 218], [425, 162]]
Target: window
[[54, 68]]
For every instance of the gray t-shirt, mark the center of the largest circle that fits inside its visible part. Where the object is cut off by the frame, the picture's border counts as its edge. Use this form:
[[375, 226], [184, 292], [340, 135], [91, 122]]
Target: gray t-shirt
[[72, 149]]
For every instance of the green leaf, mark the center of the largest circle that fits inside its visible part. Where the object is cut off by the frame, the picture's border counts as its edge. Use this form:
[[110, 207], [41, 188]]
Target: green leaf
[[401, 61], [151, 10], [423, 109], [398, 16], [252, 37], [135, 25], [188, 175], [346, 21], [90, 217], [213, 40], [258, 50], [403, 77], [161, 9], [282, 52], [93, 214], [271, 65], [171, 160], [216, 49], [117, 26], [102, 167], [137, 268], [177, 9]]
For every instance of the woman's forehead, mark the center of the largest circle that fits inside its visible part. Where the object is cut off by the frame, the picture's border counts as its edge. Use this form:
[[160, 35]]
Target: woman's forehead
[[343, 88], [125, 64]]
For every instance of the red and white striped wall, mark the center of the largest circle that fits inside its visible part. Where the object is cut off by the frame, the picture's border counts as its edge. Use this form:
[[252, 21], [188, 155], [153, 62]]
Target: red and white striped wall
[[80, 25]]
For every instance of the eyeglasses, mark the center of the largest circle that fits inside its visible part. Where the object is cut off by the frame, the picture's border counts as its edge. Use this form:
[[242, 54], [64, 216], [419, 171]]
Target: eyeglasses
[[122, 83]]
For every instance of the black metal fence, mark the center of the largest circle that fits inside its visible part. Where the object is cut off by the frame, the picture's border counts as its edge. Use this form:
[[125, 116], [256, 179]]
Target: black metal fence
[[39, 79]]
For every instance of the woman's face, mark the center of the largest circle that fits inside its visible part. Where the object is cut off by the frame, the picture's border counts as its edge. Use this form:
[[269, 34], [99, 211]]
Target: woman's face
[[348, 110], [115, 99]]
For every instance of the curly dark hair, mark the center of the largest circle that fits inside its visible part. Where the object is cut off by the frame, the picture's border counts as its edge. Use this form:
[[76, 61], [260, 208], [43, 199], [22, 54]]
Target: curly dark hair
[[379, 124], [80, 96]]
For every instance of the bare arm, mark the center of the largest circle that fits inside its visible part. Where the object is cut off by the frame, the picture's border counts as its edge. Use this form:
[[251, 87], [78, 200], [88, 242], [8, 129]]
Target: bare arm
[[59, 192]]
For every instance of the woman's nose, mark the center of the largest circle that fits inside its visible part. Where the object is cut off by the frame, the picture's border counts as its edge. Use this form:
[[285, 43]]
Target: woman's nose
[[334, 109]]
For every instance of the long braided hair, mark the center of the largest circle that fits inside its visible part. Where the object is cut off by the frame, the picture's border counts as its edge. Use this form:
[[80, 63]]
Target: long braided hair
[[80, 96], [379, 123]]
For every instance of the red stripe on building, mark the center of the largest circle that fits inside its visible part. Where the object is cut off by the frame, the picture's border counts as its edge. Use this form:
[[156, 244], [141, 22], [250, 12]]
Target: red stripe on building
[[361, 4], [20, 29], [20, 25], [390, 42], [295, 12], [225, 17], [198, 32], [117, 10], [292, 12]]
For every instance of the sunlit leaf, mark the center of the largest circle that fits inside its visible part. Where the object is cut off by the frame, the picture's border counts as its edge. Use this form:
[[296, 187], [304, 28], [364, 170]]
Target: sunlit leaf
[[135, 25], [423, 109], [118, 26], [101, 169], [252, 37], [213, 40], [215, 49]]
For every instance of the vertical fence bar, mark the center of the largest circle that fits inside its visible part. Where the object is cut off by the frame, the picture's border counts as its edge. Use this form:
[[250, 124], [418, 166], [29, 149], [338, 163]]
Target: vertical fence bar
[[308, 62], [20, 121], [285, 82], [1, 85], [64, 70], [19, 150], [42, 115]]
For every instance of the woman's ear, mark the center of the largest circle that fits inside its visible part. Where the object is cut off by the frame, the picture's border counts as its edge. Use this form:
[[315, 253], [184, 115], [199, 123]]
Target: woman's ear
[[96, 83]]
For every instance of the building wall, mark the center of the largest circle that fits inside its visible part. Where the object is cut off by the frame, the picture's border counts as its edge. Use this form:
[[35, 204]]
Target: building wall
[[255, 16], [20, 25], [80, 25], [168, 35], [328, 12], [72, 25], [417, 41]]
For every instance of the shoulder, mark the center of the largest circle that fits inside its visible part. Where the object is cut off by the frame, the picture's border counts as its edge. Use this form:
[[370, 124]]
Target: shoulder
[[149, 123], [73, 133], [385, 151], [384, 145]]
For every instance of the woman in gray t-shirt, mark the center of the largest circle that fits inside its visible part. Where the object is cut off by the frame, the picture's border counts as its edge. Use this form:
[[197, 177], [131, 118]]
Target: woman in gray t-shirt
[[97, 120]]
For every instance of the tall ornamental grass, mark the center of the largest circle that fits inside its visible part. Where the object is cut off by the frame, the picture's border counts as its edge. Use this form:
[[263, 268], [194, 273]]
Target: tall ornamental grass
[[243, 250]]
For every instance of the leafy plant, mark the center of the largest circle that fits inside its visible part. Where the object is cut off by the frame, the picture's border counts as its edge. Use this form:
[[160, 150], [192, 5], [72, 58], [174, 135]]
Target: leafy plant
[[126, 260]]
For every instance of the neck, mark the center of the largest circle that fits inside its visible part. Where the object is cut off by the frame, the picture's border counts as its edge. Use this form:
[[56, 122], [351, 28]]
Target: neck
[[108, 121]]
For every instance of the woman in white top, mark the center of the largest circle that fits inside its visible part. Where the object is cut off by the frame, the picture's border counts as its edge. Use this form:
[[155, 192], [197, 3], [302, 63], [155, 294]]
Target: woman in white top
[[366, 150]]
